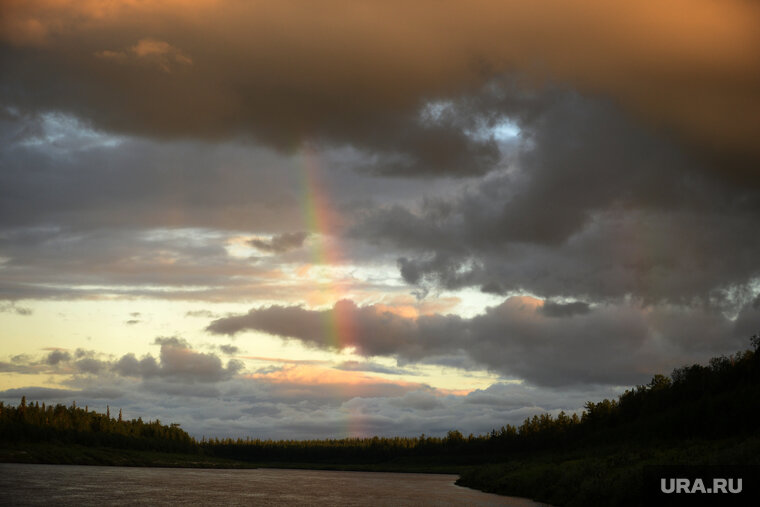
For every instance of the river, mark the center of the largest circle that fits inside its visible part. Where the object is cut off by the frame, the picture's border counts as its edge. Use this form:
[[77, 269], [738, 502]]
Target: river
[[22, 484]]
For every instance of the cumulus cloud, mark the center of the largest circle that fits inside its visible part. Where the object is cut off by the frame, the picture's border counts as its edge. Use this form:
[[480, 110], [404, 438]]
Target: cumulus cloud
[[56, 356], [177, 362]]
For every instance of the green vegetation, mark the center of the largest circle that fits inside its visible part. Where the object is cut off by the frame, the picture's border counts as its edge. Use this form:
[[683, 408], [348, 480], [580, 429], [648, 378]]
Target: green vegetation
[[74, 425], [700, 415]]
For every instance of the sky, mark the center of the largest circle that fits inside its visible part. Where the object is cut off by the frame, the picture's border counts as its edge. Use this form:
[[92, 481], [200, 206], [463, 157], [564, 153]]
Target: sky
[[301, 219]]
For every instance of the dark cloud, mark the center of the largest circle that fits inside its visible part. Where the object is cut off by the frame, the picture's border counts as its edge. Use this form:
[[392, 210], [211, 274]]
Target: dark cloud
[[593, 208], [553, 309], [225, 75], [614, 344], [280, 243], [373, 332]]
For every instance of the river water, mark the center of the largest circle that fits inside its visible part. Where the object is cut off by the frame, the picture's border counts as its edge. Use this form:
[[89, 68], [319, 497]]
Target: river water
[[92, 485]]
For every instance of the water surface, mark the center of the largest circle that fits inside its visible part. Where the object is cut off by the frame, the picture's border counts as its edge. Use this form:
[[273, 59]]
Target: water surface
[[91, 485]]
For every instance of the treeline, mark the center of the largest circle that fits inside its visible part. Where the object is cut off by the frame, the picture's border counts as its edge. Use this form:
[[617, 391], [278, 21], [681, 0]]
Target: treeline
[[453, 448], [721, 399], [73, 425]]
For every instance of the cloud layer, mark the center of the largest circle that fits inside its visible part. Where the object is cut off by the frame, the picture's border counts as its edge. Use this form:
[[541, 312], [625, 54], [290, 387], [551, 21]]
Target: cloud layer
[[544, 343], [569, 189], [196, 390], [359, 74]]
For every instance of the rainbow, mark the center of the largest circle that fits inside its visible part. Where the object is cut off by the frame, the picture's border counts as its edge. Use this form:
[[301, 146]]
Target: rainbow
[[322, 222]]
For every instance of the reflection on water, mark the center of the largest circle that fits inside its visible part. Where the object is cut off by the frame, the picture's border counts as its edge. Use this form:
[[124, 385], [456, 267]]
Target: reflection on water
[[88, 485]]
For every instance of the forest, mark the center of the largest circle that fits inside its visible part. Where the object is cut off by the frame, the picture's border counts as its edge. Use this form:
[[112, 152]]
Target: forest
[[671, 419]]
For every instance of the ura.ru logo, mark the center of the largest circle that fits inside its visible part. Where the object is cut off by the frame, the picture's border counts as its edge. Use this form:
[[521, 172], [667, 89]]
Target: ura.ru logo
[[718, 485]]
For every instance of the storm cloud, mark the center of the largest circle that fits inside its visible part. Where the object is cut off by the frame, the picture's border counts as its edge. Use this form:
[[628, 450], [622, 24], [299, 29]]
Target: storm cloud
[[218, 69], [592, 207]]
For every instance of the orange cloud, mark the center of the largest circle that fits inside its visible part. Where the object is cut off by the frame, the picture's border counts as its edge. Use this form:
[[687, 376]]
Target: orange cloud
[[158, 52], [316, 375], [407, 306], [283, 69], [300, 378]]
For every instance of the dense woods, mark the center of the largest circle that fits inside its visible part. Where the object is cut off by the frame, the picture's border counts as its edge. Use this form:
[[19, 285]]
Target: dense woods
[[32, 422]]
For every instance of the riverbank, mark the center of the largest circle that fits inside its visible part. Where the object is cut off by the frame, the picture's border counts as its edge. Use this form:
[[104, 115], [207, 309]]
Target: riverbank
[[604, 475], [73, 454]]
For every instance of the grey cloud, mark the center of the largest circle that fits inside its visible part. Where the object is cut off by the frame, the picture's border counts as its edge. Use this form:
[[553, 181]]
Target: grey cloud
[[373, 332], [593, 208], [554, 309], [171, 341], [614, 344], [57, 361], [38, 393], [239, 407], [57, 356], [177, 362], [90, 365], [180, 362], [129, 365], [229, 349], [280, 243], [97, 232], [418, 401], [370, 366], [19, 366]]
